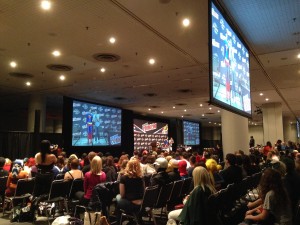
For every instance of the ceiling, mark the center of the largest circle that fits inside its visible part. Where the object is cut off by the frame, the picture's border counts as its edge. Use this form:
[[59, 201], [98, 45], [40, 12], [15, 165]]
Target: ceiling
[[144, 29]]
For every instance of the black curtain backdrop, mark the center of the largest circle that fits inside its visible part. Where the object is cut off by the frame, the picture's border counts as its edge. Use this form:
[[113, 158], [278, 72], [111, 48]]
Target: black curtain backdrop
[[18, 145]]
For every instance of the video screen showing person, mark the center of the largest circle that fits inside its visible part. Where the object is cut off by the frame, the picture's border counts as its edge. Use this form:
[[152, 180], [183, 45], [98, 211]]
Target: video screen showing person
[[230, 65], [191, 133], [95, 125], [147, 132]]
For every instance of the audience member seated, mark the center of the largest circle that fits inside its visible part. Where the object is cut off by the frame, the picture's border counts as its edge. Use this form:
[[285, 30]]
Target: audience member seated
[[297, 163], [3, 173], [149, 168], [122, 169], [232, 173], [74, 173], [87, 167], [45, 162], [249, 165], [173, 168], [161, 177], [195, 211], [291, 182], [182, 165], [16, 173], [131, 188], [213, 169], [110, 170], [7, 165], [276, 204], [91, 179], [192, 161]]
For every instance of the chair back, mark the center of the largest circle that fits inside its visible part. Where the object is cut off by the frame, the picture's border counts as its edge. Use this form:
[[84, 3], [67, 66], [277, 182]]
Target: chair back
[[164, 195], [185, 190], [175, 194], [3, 181], [24, 186], [59, 188], [150, 197], [77, 185]]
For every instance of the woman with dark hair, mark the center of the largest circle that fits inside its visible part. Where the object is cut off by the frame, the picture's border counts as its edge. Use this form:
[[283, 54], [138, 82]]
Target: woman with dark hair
[[276, 204], [45, 161]]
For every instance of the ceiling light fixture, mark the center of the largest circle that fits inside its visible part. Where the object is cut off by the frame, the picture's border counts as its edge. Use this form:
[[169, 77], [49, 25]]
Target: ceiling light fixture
[[62, 77], [261, 94], [13, 64], [149, 109], [185, 22], [209, 108], [46, 5], [56, 53], [267, 99], [202, 114], [112, 40], [174, 107], [102, 69], [185, 110], [151, 61], [162, 112], [28, 83], [182, 116], [298, 56], [201, 105], [218, 111]]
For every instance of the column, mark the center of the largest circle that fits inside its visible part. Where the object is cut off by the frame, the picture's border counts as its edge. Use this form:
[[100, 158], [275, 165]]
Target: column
[[36, 113], [289, 129], [272, 122], [234, 133]]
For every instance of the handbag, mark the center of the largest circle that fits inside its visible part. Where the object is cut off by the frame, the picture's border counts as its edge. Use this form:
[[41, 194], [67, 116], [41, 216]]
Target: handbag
[[94, 218]]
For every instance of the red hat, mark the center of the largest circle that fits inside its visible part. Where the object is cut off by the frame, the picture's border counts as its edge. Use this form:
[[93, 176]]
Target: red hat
[[182, 167]]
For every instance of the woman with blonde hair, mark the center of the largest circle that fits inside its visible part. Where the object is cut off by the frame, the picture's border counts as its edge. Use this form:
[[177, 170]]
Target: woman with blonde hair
[[195, 210], [131, 188], [91, 179]]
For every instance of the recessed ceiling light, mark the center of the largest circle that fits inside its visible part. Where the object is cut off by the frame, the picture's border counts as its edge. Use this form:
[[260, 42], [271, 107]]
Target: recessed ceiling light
[[202, 114], [62, 77], [209, 122], [267, 99], [209, 108], [174, 107], [151, 61], [56, 53], [201, 105], [102, 69], [261, 94], [182, 116], [185, 22], [149, 109], [46, 5], [218, 111], [112, 40], [28, 83], [215, 123], [13, 64], [185, 110], [298, 56], [162, 112]]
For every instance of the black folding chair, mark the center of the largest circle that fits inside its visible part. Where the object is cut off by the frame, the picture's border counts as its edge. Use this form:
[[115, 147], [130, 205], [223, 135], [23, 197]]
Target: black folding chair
[[23, 191], [175, 195], [3, 181], [59, 192], [76, 186], [163, 197], [185, 190], [149, 200]]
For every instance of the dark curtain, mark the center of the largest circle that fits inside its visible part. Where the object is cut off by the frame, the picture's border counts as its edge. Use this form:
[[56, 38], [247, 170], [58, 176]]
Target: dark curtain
[[18, 145]]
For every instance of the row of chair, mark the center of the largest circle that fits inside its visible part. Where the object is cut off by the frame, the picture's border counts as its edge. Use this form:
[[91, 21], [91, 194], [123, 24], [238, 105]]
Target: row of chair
[[164, 198], [60, 190], [231, 203]]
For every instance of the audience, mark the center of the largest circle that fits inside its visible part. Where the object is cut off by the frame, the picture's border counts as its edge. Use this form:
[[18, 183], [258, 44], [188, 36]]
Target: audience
[[3, 173], [74, 172]]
